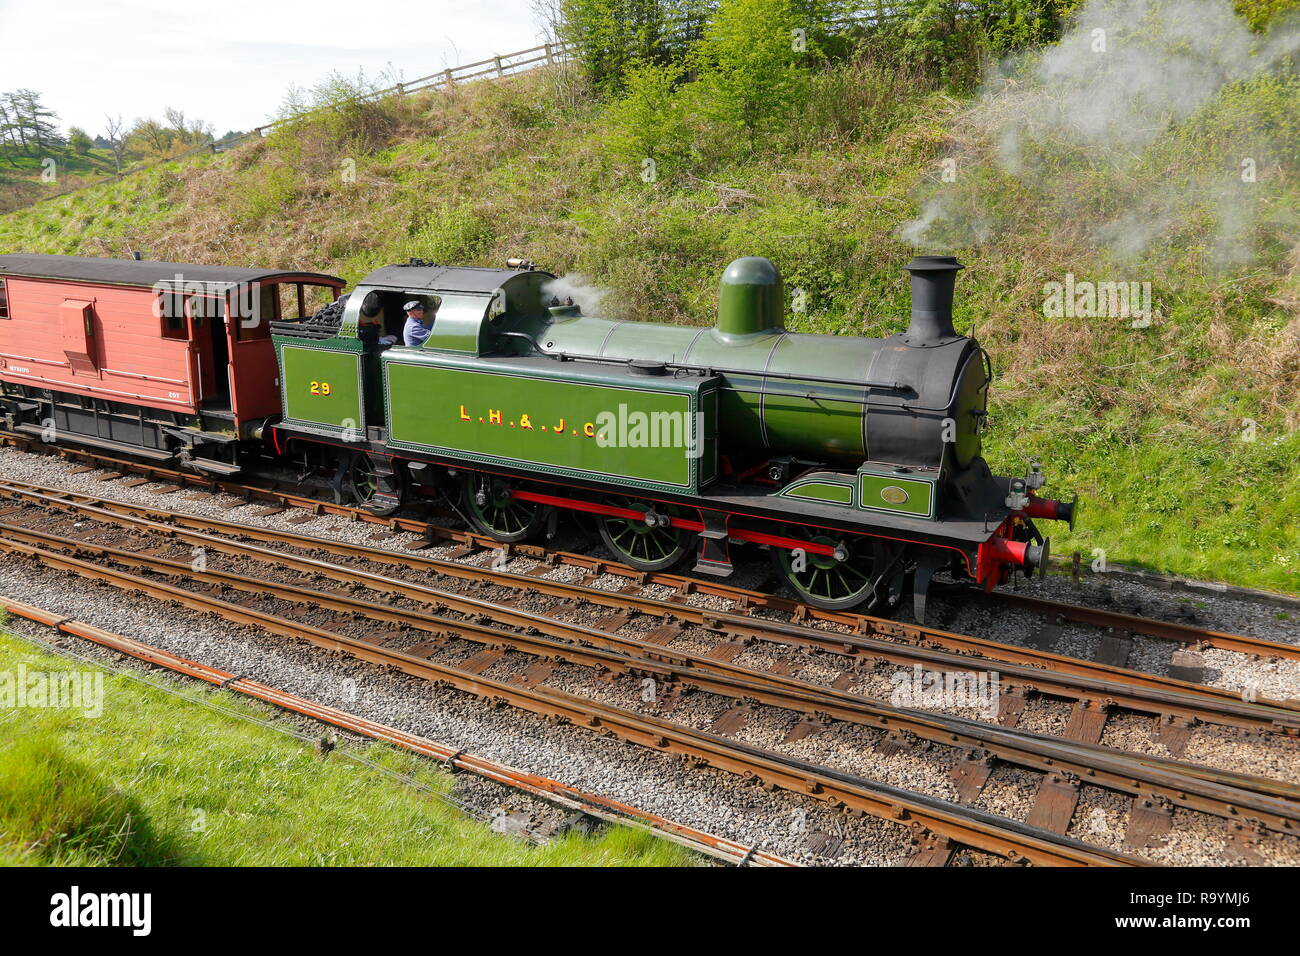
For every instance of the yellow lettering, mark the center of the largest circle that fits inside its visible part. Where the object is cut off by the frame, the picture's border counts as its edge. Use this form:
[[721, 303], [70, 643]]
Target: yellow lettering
[[560, 427], [494, 416], [464, 415], [525, 422], [589, 430]]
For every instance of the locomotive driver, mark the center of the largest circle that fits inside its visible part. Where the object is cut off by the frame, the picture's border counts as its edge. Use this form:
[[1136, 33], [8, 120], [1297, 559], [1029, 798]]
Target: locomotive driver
[[417, 325]]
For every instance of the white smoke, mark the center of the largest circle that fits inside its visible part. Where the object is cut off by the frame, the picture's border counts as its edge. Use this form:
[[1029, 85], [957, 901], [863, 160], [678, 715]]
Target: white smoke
[[589, 298], [1073, 124]]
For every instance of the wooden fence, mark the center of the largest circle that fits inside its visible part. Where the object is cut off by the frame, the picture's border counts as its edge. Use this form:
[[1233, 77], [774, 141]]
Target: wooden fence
[[495, 67]]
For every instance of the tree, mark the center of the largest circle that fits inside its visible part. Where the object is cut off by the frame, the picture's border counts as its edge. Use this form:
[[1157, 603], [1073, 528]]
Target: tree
[[612, 35], [9, 147], [34, 121], [194, 132], [151, 136], [116, 130], [79, 140], [750, 62]]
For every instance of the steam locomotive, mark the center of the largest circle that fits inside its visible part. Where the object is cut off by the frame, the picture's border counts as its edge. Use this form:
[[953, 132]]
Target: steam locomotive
[[855, 461]]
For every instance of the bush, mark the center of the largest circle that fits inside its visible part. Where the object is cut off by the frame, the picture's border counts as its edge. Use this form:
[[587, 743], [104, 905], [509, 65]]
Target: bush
[[649, 121], [750, 63], [339, 114]]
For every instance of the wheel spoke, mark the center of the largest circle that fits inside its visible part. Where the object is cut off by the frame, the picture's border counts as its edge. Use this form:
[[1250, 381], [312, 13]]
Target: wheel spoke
[[822, 580], [636, 543]]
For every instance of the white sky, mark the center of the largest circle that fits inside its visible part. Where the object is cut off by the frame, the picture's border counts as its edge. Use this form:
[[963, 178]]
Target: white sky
[[230, 61]]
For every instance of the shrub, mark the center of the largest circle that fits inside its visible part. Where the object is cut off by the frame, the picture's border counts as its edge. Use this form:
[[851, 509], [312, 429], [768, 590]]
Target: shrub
[[339, 113], [649, 121], [750, 65]]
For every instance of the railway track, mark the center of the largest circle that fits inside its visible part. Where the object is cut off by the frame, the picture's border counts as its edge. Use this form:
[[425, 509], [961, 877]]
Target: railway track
[[277, 495], [1249, 803], [941, 826], [1024, 670], [454, 760]]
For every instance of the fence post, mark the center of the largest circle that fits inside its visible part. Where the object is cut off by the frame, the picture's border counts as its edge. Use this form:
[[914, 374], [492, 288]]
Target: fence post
[[401, 89], [500, 70], [447, 74], [550, 54]]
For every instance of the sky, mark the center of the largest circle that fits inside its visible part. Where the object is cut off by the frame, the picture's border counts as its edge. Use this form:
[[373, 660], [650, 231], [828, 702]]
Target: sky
[[229, 62]]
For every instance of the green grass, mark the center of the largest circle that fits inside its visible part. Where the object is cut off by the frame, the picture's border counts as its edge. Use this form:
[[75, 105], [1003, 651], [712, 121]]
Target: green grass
[[23, 178], [156, 780], [94, 162]]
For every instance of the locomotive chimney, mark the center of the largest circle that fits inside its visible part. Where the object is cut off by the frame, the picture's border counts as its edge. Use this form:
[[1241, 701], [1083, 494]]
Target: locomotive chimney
[[933, 279]]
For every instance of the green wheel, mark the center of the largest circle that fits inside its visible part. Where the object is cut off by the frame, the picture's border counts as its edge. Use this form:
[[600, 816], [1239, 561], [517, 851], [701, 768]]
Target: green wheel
[[638, 544], [494, 510], [362, 483], [823, 581]]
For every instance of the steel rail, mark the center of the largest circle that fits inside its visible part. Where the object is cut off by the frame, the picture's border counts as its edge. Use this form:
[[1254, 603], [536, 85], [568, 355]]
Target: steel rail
[[1150, 627], [454, 760], [1064, 566], [1221, 793], [964, 825], [1028, 667]]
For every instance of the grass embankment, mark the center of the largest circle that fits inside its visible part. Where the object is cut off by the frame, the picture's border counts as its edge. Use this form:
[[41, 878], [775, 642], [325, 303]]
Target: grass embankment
[[154, 780], [28, 179], [1182, 437]]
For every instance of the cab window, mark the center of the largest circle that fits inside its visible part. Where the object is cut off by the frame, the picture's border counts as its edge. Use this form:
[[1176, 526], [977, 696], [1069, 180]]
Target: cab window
[[430, 303]]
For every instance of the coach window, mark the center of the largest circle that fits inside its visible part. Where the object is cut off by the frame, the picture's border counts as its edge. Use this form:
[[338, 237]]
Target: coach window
[[4, 300], [171, 309]]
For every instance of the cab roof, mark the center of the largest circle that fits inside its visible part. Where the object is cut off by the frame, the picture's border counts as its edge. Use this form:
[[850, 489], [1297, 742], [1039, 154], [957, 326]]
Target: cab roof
[[435, 278]]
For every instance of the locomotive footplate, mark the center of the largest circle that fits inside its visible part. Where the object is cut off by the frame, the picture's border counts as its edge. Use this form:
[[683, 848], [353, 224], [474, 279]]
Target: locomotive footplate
[[957, 531]]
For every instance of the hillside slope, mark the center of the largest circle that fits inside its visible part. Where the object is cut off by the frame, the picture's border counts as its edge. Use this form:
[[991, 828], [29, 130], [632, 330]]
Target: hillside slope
[[1181, 437]]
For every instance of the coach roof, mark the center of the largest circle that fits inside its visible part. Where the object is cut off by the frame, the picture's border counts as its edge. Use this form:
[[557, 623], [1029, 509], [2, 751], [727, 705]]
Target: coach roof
[[144, 273]]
